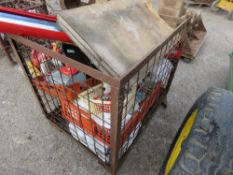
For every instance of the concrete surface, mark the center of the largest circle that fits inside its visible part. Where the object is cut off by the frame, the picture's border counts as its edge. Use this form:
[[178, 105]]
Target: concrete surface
[[29, 145]]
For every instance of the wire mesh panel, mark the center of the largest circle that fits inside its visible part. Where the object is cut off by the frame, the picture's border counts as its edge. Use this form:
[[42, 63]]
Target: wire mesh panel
[[103, 113], [80, 103], [152, 82]]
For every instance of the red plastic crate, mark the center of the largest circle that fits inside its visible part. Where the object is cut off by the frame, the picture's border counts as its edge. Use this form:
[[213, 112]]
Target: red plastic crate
[[83, 119]]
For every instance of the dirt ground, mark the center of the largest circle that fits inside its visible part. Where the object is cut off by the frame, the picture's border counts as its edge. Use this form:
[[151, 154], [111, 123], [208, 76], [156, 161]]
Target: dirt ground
[[29, 145]]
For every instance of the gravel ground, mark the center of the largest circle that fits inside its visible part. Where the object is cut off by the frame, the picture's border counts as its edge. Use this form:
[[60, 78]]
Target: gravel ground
[[29, 145]]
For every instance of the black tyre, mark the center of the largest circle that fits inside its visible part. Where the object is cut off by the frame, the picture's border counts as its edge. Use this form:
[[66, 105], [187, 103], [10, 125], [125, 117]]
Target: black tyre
[[208, 147]]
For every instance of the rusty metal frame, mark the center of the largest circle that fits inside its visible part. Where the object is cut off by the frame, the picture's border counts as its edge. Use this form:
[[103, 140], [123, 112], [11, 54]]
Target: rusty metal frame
[[117, 86]]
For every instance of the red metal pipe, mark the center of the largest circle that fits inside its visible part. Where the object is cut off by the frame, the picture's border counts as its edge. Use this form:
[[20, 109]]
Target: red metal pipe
[[32, 31], [23, 30]]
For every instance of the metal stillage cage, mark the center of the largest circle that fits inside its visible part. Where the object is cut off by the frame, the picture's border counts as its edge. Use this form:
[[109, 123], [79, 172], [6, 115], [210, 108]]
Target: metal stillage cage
[[102, 112]]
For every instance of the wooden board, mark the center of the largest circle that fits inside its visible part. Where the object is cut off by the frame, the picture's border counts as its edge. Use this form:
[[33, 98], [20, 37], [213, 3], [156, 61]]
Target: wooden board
[[171, 7], [115, 35], [199, 2]]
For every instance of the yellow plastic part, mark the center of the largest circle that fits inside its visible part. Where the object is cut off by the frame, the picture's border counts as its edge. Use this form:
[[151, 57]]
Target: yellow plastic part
[[178, 146], [225, 5], [33, 70]]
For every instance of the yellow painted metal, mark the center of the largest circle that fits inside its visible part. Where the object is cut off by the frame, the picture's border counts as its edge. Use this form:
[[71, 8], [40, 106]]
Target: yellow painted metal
[[178, 146], [225, 5]]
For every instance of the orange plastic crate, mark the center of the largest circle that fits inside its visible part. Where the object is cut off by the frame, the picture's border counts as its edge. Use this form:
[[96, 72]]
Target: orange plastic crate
[[70, 92], [76, 115], [83, 119]]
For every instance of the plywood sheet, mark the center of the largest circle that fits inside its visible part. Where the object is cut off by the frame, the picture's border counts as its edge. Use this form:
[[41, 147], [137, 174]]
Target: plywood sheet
[[115, 35], [171, 7]]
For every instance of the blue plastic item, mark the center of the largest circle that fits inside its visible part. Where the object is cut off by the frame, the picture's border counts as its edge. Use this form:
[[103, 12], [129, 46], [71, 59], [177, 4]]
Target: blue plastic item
[[59, 78]]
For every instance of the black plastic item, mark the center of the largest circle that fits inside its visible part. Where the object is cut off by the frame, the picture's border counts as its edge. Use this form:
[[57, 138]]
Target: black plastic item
[[72, 3], [75, 53]]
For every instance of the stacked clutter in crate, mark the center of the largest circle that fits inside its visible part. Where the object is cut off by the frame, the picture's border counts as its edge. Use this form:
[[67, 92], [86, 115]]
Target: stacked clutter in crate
[[55, 78], [158, 78], [91, 111], [94, 106], [86, 103]]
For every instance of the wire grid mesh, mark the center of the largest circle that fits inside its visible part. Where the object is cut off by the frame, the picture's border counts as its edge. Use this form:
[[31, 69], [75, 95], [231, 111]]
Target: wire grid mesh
[[81, 104], [152, 81], [76, 100]]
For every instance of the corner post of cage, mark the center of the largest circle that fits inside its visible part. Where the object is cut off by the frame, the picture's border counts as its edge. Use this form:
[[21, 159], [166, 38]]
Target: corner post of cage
[[184, 34], [20, 60], [182, 29], [116, 111]]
